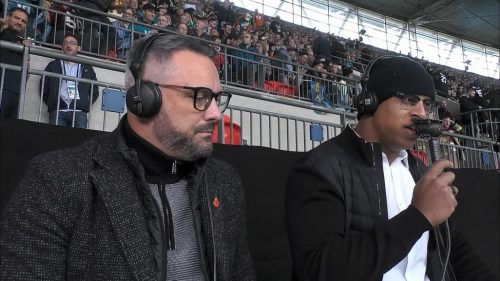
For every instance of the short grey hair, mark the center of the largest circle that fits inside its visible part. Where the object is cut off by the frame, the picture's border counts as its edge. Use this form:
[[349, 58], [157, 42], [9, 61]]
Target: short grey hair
[[162, 50]]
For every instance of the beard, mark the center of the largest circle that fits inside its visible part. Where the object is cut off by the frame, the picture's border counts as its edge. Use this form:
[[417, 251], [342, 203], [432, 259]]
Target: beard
[[184, 144]]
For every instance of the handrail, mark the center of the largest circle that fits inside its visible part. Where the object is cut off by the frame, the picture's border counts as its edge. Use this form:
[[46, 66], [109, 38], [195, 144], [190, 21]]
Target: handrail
[[45, 52], [477, 110]]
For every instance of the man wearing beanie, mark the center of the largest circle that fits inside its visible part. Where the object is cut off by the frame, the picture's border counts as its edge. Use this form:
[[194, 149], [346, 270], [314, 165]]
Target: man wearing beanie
[[361, 207]]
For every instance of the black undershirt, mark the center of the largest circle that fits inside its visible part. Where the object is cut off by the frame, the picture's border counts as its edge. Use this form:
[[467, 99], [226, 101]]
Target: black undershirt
[[157, 165]]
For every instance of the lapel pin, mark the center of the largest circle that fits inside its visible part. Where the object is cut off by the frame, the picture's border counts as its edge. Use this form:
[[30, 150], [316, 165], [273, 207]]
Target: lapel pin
[[216, 202]]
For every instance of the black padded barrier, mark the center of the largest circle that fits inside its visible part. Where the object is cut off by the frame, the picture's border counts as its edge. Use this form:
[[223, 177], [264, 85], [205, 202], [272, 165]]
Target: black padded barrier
[[264, 173]]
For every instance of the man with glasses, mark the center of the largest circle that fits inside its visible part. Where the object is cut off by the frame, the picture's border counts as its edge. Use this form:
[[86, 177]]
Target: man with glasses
[[69, 101], [361, 207], [145, 202]]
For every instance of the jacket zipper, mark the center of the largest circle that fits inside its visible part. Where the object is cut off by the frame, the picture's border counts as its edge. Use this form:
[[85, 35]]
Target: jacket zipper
[[376, 180]]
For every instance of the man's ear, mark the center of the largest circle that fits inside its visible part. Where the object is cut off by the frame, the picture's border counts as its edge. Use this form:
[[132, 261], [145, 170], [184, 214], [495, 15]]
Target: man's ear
[[79, 48]]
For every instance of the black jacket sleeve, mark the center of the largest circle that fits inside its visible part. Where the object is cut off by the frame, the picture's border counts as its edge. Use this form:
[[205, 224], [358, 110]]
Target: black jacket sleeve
[[321, 247]]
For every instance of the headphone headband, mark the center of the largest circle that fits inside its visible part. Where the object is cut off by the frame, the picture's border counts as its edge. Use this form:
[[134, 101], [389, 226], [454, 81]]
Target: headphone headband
[[367, 102], [137, 64], [144, 98]]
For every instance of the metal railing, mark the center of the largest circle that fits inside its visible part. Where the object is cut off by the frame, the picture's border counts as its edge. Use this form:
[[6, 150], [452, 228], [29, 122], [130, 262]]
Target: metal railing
[[248, 125], [481, 123], [463, 151]]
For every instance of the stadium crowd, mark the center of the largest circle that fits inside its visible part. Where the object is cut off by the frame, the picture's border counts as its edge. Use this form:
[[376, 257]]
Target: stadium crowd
[[272, 49]]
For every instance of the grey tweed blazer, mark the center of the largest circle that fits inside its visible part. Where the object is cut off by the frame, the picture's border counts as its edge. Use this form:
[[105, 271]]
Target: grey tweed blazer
[[77, 215]]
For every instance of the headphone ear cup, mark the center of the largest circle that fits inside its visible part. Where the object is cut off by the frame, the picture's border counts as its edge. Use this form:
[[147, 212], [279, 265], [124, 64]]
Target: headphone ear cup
[[369, 103], [146, 101]]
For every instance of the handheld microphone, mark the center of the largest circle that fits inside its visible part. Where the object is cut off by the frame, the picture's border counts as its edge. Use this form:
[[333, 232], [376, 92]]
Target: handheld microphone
[[427, 128]]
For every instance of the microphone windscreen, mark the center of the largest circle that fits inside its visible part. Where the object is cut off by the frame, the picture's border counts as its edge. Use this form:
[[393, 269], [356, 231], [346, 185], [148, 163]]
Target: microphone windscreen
[[427, 128]]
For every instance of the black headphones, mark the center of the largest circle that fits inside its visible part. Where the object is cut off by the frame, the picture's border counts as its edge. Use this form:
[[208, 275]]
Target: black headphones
[[367, 101], [144, 98]]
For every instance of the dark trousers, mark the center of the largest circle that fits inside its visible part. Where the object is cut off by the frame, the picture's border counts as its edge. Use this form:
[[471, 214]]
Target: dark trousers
[[65, 118], [10, 105]]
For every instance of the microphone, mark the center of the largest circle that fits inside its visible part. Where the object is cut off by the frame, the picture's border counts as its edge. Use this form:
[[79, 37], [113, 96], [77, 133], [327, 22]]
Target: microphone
[[427, 128]]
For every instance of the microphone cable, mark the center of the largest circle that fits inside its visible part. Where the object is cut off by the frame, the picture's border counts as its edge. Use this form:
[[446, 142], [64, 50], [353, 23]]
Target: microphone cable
[[447, 247]]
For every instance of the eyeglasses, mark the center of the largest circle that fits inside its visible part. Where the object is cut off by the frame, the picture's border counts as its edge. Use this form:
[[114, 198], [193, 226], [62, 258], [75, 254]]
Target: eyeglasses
[[71, 43], [202, 97], [409, 101]]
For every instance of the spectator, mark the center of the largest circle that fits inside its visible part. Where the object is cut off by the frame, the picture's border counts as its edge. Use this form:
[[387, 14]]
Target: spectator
[[303, 62], [276, 27], [176, 18], [450, 151], [144, 25], [164, 8], [42, 24], [314, 86], [227, 32], [12, 29], [212, 25], [63, 21], [182, 28], [469, 115], [201, 26], [134, 6], [97, 38], [67, 98], [214, 32], [124, 33], [322, 47], [309, 50], [164, 22], [478, 99], [442, 109], [258, 20], [344, 93], [272, 50], [218, 58], [283, 69], [264, 66], [139, 13], [493, 102], [243, 64], [225, 13]]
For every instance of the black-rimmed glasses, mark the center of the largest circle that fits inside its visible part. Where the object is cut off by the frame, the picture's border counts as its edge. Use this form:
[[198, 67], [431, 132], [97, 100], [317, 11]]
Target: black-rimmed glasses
[[409, 101], [202, 97]]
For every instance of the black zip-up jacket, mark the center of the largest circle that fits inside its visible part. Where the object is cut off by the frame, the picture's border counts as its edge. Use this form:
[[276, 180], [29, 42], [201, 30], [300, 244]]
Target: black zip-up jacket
[[79, 214], [12, 78], [51, 88], [337, 222]]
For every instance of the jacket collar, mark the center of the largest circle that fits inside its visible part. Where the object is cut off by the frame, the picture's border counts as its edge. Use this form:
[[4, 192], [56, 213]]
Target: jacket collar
[[368, 151], [116, 185], [371, 152]]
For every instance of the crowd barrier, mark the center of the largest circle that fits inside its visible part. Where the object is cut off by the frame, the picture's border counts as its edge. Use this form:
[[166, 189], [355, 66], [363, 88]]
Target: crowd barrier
[[254, 117]]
